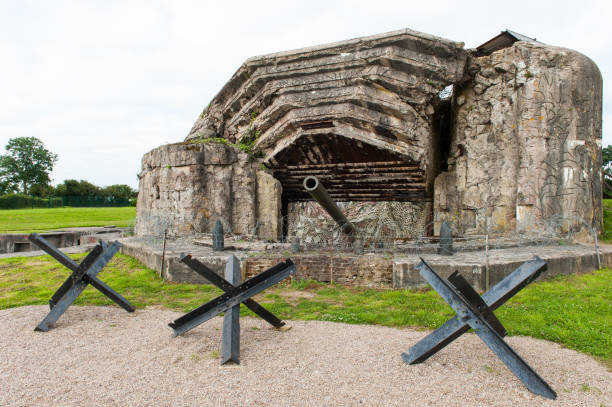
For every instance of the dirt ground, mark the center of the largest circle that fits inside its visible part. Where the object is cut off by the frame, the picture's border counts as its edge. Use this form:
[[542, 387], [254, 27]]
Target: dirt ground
[[104, 356]]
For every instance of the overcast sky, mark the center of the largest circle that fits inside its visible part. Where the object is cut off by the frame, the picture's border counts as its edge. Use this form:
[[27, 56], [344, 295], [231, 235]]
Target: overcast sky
[[103, 82]]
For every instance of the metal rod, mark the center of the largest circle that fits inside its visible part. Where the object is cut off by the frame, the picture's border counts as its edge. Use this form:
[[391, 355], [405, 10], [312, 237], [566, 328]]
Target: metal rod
[[331, 259], [487, 275], [161, 268], [597, 250]]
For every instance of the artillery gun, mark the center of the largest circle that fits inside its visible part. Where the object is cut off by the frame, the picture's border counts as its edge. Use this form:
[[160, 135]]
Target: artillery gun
[[318, 193]]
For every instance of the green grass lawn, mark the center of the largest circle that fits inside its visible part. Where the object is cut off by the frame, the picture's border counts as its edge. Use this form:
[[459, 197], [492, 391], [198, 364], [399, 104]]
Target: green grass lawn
[[574, 311], [43, 219]]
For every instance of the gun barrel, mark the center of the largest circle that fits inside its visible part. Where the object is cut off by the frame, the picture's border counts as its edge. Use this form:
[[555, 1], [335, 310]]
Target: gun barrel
[[319, 194]]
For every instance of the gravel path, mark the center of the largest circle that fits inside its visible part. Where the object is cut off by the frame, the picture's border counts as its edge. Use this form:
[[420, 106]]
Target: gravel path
[[103, 356]]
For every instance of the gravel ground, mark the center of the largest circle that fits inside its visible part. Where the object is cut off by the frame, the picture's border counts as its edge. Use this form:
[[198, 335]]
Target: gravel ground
[[104, 356]]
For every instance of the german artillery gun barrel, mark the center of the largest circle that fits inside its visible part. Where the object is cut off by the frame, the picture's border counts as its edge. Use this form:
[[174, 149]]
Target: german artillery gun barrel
[[319, 194]]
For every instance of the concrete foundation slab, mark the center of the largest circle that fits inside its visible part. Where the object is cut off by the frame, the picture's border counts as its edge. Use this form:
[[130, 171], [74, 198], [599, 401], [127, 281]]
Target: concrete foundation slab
[[482, 274], [372, 269]]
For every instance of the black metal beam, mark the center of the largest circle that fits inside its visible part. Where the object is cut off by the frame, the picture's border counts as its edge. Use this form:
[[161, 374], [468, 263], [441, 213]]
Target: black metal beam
[[82, 275], [471, 296], [230, 345], [110, 293], [226, 286], [76, 275], [233, 297], [52, 251], [494, 298], [469, 314]]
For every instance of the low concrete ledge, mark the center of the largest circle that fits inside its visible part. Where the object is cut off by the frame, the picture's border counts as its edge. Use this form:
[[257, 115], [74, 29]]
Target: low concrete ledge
[[19, 243], [473, 265], [152, 255], [373, 269]]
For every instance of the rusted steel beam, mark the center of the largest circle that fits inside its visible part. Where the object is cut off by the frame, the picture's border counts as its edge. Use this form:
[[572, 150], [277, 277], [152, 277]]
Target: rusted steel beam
[[367, 193], [349, 192], [370, 184], [357, 179], [357, 165], [385, 190], [399, 194], [371, 199], [338, 197], [360, 177], [347, 170]]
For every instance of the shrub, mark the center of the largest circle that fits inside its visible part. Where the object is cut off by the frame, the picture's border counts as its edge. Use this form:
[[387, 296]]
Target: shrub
[[17, 201]]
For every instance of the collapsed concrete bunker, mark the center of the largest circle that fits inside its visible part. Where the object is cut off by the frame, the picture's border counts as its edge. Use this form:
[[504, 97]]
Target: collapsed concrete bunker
[[405, 130]]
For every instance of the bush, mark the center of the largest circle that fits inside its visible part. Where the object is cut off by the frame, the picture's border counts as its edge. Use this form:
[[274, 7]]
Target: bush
[[17, 201], [94, 201]]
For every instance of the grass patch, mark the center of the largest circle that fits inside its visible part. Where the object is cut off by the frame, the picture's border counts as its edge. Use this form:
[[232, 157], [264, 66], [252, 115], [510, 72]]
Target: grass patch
[[571, 310], [43, 219], [31, 281]]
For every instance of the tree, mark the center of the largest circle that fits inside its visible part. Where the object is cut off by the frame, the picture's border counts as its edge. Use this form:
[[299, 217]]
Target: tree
[[606, 168], [119, 191], [6, 185], [43, 191], [72, 187], [26, 163]]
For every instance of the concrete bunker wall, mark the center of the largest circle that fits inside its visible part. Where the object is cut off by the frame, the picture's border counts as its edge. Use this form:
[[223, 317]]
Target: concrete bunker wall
[[520, 142], [309, 222], [526, 143], [185, 187]]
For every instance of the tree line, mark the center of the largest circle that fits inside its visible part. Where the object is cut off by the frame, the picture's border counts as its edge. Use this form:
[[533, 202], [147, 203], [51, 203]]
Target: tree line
[[26, 166], [72, 187]]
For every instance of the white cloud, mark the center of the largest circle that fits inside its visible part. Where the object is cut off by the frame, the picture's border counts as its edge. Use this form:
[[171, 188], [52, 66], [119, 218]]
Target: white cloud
[[101, 83]]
